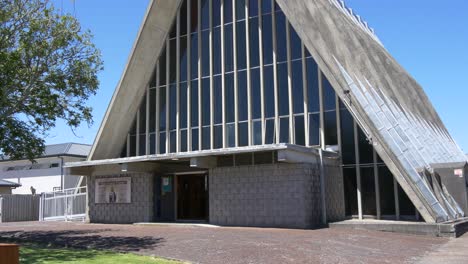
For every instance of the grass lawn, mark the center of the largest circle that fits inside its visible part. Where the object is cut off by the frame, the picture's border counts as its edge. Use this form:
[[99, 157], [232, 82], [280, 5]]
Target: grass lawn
[[44, 255]]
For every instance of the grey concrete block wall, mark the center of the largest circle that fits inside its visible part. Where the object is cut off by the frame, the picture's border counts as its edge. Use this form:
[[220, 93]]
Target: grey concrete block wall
[[334, 189], [275, 195], [140, 209]]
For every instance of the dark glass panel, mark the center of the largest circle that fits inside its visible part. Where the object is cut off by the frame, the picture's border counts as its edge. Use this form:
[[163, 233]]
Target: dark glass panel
[[263, 158], [195, 144], [331, 137], [406, 206], [329, 100], [173, 32], [183, 140], [183, 105], [152, 111], [162, 108], [132, 130], [313, 86], [270, 131], [173, 140], [227, 11], [218, 100], [243, 134], [152, 83], [206, 138], [240, 46], [194, 103], [229, 97], [277, 7], [240, 9], [231, 135], [242, 96], [284, 130], [143, 115], [244, 159], [299, 130], [152, 144], [297, 87], [194, 15], [296, 44], [225, 161], [123, 153], [366, 150], [183, 18], [257, 132], [266, 6], [206, 101], [256, 93], [314, 129], [132, 146], [347, 138], [387, 194], [183, 59], [253, 8], [205, 53], [194, 56], [267, 39], [269, 91], [217, 50], [350, 191], [281, 54], [369, 206], [283, 95], [142, 145], [216, 13], [254, 46], [173, 61], [205, 14], [228, 49], [162, 143], [162, 67], [218, 137], [172, 106]]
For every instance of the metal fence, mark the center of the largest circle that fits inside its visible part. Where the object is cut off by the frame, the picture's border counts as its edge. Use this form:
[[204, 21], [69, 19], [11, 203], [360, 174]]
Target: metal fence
[[16, 207], [64, 205]]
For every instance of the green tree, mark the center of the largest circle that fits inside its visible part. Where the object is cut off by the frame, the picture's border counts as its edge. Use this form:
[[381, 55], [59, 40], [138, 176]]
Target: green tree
[[48, 70]]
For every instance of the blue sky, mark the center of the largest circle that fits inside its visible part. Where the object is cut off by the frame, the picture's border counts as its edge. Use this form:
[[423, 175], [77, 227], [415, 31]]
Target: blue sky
[[428, 38]]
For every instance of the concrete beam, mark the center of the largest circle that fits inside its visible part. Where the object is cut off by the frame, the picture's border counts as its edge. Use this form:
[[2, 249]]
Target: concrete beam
[[203, 162]]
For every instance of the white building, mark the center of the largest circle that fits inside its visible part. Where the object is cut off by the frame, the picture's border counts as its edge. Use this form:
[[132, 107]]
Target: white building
[[48, 173]]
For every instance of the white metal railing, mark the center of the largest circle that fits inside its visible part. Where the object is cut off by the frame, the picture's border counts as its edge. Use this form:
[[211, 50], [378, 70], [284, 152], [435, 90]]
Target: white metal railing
[[63, 205]]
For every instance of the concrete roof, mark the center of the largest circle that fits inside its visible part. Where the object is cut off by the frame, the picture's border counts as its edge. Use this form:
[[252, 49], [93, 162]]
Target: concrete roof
[[64, 149], [4, 183]]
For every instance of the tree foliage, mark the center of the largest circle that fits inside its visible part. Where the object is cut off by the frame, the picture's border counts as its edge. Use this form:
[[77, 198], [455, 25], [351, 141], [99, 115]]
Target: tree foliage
[[48, 69]]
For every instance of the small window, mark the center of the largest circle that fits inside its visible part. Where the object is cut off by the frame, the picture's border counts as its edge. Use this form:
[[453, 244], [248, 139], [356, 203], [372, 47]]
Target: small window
[[54, 165]]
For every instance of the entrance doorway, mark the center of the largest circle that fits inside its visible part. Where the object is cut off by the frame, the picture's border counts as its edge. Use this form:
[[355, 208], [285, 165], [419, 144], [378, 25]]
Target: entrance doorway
[[192, 197]]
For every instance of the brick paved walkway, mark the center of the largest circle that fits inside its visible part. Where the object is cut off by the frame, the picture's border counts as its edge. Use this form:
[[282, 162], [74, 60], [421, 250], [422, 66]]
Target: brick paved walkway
[[233, 245]]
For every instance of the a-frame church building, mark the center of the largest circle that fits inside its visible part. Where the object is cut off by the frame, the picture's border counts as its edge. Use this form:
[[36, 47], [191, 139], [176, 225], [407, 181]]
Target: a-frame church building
[[272, 113]]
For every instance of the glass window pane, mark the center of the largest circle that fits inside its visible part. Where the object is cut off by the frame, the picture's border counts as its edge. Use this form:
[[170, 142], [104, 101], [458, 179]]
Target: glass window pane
[[173, 32], [206, 138], [240, 9], [227, 11], [240, 45], [266, 6], [228, 49], [347, 138], [256, 93], [314, 129], [132, 146], [253, 8], [329, 100], [267, 39], [183, 105], [229, 97], [183, 140], [205, 14], [243, 134], [218, 100], [142, 145], [257, 132], [218, 137], [296, 44], [206, 101], [195, 145], [284, 130], [253, 38], [173, 61], [283, 94], [143, 115], [216, 13], [297, 87], [183, 59], [172, 106], [281, 37], [406, 206], [194, 103], [387, 194], [331, 137], [194, 15], [269, 91], [366, 150], [217, 50], [299, 130], [162, 143], [162, 67], [231, 135], [183, 18], [205, 53], [242, 96], [152, 111], [350, 190], [162, 108], [313, 86], [270, 137], [152, 144], [194, 56], [369, 206], [173, 139]]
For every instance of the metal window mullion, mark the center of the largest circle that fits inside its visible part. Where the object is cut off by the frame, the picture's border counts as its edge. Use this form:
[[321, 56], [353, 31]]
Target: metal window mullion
[[377, 184], [158, 108], [147, 141], [338, 122], [290, 92], [397, 199], [223, 74], [236, 82], [137, 132], [358, 170], [200, 124], [211, 77], [306, 96], [178, 83], [275, 73], [168, 104], [249, 87], [322, 111], [262, 81], [189, 74]]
